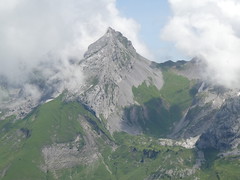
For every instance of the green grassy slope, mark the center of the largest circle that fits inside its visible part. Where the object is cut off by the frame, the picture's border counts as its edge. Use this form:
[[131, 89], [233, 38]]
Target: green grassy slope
[[58, 122], [160, 109], [141, 157], [134, 157], [176, 90], [144, 93], [123, 157], [21, 142]]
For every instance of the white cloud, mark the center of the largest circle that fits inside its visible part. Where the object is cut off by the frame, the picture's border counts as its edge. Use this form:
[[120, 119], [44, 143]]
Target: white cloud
[[32, 31], [209, 29]]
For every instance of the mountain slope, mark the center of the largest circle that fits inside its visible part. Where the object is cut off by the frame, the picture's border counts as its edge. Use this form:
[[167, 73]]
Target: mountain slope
[[112, 67], [63, 140], [131, 119]]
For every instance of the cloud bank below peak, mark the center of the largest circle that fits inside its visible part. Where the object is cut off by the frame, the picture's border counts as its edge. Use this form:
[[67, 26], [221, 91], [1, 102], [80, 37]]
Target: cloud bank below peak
[[34, 31], [208, 29]]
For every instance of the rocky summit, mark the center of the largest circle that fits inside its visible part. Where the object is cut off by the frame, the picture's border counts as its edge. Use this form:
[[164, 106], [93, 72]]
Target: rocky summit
[[112, 67], [131, 118]]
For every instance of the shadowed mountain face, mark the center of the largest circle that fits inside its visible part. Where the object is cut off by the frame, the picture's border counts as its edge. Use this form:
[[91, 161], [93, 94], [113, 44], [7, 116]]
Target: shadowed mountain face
[[130, 119]]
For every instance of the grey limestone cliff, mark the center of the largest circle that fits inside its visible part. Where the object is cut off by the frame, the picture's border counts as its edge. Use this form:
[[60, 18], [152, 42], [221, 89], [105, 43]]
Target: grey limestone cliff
[[224, 133], [112, 67]]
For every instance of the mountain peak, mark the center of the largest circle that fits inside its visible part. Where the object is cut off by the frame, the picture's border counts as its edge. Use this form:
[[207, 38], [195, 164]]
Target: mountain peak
[[118, 36], [111, 39], [110, 30], [112, 33]]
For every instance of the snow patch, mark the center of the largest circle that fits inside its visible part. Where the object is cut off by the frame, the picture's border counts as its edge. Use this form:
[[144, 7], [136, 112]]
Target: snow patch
[[49, 100]]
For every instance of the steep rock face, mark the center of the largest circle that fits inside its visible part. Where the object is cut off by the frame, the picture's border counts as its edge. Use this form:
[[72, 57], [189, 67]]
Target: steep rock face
[[194, 69], [224, 133], [14, 101], [214, 113], [201, 113], [22, 99], [207, 102], [112, 67]]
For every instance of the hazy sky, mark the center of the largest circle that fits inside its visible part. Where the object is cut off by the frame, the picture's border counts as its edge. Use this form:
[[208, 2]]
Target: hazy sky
[[33, 31], [152, 16], [208, 29]]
